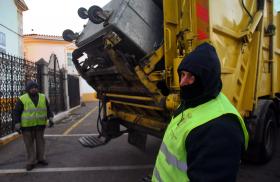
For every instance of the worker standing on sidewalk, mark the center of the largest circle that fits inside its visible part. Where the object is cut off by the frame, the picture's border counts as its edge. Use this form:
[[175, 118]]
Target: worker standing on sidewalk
[[206, 137], [30, 117]]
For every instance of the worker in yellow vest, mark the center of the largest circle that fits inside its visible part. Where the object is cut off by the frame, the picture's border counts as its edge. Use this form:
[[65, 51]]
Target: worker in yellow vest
[[206, 136], [30, 117]]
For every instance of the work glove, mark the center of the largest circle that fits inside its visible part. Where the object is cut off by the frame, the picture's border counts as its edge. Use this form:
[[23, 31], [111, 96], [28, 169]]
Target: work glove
[[17, 128], [51, 123]]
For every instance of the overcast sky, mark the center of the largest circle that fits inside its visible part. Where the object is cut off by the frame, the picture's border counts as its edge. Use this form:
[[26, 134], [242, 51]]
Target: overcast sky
[[52, 17]]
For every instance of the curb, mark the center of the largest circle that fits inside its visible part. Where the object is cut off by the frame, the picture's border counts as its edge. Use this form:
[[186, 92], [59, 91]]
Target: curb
[[9, 138], [64, 114]]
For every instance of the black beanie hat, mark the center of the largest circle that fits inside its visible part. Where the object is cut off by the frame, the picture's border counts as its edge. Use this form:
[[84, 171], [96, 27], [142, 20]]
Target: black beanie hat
[[31, 84]]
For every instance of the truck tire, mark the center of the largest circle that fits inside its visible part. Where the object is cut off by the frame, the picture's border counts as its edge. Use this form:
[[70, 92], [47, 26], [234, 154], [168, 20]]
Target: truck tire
[[269, 136], [263, 144]]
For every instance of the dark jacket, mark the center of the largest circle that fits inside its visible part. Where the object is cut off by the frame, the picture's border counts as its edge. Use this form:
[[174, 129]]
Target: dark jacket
[[214, 149], [19, 107]]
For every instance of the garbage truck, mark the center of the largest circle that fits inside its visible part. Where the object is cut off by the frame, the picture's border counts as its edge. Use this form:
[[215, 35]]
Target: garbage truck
[[129, 52]]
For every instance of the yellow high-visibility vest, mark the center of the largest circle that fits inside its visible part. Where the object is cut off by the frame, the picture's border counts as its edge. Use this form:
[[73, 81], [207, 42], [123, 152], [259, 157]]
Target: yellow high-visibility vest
[[171, 164], [32, 115]]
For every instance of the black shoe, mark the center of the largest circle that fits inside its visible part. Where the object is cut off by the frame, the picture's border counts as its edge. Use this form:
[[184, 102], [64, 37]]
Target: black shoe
[[29, 167], [43, 163]]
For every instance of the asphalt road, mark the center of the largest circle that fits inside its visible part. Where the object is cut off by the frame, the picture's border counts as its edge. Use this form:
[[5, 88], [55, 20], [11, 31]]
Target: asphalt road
[[117, 161]]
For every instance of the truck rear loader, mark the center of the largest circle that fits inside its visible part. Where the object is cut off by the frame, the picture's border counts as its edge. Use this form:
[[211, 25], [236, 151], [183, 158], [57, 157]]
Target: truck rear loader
[[129, 52]]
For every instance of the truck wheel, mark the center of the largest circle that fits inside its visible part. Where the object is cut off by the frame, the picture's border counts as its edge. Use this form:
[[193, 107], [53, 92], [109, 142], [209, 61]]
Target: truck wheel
[[93, 14], [262, 143], [269, 136]]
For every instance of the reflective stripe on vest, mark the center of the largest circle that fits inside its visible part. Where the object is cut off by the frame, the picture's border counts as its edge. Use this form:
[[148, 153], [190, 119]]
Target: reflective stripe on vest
[[156, 174], [32, 115], [30, 118], [171, 160]]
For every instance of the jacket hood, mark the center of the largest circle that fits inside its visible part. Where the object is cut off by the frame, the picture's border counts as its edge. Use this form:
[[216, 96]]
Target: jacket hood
[[204, 64]]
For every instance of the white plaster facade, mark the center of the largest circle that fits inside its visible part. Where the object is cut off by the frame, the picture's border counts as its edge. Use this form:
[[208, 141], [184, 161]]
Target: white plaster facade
[[11, 27]]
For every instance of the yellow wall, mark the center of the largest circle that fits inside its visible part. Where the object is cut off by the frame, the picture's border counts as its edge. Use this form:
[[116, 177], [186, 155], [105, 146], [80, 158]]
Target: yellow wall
[[35, 49], [89, 97]]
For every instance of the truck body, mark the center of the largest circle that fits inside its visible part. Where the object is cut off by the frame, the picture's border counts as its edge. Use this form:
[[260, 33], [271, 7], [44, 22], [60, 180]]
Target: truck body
[[133, 49]]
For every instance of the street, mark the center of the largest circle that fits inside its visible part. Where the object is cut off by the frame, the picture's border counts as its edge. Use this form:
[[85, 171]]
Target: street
[[117, 161]]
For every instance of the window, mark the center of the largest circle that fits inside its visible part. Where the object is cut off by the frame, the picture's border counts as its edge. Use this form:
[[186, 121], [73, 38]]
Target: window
[[69, 59]]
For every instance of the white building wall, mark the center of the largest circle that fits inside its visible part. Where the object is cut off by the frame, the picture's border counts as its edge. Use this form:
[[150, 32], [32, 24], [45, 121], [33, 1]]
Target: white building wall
[[9, 28], [85, 87]]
